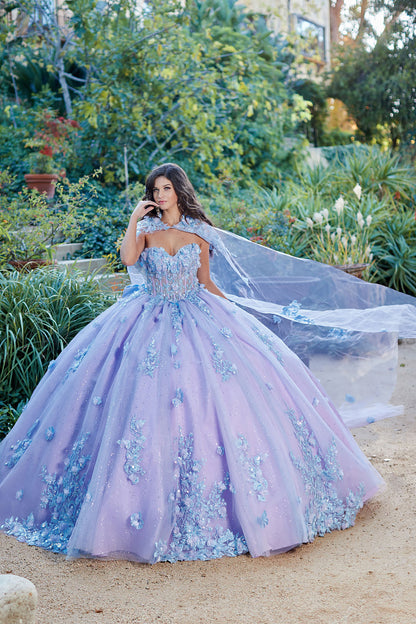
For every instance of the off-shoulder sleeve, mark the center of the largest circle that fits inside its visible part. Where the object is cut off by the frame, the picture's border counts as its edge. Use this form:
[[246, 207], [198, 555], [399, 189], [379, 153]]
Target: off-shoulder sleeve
[[147, 225]]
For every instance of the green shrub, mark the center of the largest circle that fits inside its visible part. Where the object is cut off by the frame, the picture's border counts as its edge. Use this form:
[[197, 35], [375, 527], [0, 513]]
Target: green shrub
[[40, 312], [394, 249], [257, 214]]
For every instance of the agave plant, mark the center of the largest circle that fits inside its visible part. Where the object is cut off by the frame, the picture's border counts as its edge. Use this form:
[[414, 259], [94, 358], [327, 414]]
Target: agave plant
[[394, 249], [379, 172]]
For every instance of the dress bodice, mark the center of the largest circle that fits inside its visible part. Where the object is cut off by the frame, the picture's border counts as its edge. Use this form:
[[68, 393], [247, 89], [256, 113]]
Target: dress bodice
[[172, 277]]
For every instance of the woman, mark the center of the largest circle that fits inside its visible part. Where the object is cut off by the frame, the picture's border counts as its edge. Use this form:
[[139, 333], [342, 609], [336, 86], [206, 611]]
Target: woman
[[176, 426]]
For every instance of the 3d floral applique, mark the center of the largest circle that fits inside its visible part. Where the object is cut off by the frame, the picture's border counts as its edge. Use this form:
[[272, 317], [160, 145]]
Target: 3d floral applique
[[134, 450]]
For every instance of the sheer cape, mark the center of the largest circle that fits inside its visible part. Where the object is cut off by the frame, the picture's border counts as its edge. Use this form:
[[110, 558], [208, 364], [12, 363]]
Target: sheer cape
[[345, 330]]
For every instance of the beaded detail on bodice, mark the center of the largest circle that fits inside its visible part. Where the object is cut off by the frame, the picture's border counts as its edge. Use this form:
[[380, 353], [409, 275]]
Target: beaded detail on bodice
[[172, 277]]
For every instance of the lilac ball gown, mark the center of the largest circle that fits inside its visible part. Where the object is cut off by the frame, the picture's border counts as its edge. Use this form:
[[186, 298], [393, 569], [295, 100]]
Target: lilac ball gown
[[177, 427]]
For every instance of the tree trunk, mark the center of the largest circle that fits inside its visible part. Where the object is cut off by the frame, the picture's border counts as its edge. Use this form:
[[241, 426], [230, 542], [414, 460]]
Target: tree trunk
[[335, 20], [361, 27], [64, 87]]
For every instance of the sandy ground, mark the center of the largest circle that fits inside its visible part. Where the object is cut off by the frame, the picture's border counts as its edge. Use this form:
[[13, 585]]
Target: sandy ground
[[365, 575]]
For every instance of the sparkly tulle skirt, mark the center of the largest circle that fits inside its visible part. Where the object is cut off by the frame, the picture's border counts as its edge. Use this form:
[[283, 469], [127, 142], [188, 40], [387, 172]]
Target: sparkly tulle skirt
[[178, 431]]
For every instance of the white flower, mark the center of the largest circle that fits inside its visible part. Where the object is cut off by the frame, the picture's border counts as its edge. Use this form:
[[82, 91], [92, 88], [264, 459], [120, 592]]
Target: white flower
[[360, 219], [339, 205], [349, 260], [318, 217], [369, 219], [328, 228], [309, 222], [353, 239], [367, 251], [339, 231], [336, 257], [333, 237], [371, 257], [357, 190], [325, 213], [344, 241]]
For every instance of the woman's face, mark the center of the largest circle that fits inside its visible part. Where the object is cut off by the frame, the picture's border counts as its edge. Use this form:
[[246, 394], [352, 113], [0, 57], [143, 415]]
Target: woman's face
[[164, 194]]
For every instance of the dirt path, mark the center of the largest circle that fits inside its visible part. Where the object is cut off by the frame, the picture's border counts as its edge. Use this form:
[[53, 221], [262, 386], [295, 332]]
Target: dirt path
[[365, 575]]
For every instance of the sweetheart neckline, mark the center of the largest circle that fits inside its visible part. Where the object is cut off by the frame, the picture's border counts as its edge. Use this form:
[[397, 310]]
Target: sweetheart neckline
[[169, 254]]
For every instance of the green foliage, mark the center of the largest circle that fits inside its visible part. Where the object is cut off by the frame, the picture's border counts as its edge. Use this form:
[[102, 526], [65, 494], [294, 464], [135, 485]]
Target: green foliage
[[200, 83], [378, 88], [104, 221], [335, 137], [378, 171], [30, 224], [13, 153], [315, 94], [394, 249], [40, 312], [373, 222], [257, 214]]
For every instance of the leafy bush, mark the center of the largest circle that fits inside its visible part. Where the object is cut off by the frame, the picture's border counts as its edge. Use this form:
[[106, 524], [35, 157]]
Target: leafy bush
[[40, 312], [222, 109], [257, 214], [336, 137], [30, 224]]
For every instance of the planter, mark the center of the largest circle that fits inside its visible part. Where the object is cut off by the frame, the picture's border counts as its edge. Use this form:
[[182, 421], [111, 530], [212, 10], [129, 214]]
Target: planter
[[42, 182], [24, 266], [353, 269]]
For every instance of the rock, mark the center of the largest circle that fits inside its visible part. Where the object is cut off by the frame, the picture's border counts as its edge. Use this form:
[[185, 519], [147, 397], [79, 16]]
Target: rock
[[18, 600]]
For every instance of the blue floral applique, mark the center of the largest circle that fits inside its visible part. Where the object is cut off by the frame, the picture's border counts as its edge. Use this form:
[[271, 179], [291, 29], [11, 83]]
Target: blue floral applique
[[196, 535], [226, 331], [21, 446], [221, 365], [176, 316], [81, 353], [151, 361], [270, 341], [136, 521], [63, 497], [293, 311], [49, 434], [178, 398], [252, 467], [325, 511], [134, 447], [263, 520], [131, 292]]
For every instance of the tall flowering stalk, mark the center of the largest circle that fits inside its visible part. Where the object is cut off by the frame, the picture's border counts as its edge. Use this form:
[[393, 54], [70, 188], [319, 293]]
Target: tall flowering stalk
[[52, 141], [334, 242]]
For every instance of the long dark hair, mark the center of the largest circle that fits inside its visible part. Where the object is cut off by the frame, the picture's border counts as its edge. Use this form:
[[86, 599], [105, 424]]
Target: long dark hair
[[188, 204]]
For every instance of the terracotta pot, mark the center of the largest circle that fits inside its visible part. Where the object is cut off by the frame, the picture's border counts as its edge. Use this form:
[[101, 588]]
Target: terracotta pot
[[43, 182], [353, 269], [28, 265]]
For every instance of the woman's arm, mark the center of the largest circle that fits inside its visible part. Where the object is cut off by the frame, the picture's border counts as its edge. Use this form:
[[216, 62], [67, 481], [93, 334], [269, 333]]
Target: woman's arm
[[132, 246], [203, 274]]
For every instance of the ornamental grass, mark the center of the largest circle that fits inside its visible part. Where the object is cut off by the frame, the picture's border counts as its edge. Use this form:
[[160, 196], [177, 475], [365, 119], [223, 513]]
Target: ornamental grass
[[40, 312]]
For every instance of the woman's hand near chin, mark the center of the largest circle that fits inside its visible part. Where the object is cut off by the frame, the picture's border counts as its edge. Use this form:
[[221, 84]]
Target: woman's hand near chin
[[143, 207], [132, 245]]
